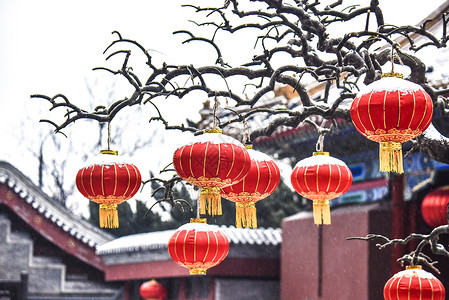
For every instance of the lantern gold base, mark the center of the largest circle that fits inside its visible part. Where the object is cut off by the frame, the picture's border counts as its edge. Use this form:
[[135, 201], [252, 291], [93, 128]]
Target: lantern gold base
[[321, 212], [210, 200], [197, 271], [108, 216], [245, 215], [390, 157]]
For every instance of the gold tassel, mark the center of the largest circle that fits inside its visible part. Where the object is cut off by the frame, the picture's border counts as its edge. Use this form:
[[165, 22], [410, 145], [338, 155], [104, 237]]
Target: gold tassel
[[108, 215], [210, 200], [197, 271], [245, 215], [321, 212], [390, 157]]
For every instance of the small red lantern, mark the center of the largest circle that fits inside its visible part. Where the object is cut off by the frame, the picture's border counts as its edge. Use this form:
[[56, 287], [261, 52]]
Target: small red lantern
[[321, 178], [212, 161], [434, 207], [391, 111], [198, 246], [108, 184], [153, 290], [414, 284], [262, 179]]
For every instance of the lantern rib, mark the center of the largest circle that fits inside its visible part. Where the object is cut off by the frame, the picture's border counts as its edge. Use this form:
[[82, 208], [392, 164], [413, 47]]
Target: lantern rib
[[420, 287], [115, 180], [339, 179], [258, 177], [330, 175], [216, 241], [184, 246], [305, 180], [268, 189], [180, 160], [137, 179], [205, 159], [414, 108], [208, 247], [102, 179], [369, 111], [232, 164], [219, 159], [129, 179], [424, 114], [194, 245], [358, 112], [175, 245], [190, 160], [82, 181], [409, 286], [91, 181]]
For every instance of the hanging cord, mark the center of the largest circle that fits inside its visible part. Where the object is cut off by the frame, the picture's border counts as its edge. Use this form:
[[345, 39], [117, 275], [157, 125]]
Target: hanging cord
[[394, 55], [198, 205], [320, 143], [214, 111], [109, 136], [246, 135]]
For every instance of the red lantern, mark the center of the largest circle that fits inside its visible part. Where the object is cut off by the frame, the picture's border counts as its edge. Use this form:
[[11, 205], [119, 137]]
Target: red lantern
[[212, 161], [108, 184], [262, 179], [434, 207], [153, 290], [414, 284], [391, 111], [198, 246], [321, 178]]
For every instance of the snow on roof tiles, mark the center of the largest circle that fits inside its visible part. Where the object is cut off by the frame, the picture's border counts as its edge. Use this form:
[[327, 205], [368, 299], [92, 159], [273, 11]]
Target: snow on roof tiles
[[159, 239]]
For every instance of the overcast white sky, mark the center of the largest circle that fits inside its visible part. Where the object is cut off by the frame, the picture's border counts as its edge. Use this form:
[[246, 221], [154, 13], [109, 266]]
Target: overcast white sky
[[51, 46]]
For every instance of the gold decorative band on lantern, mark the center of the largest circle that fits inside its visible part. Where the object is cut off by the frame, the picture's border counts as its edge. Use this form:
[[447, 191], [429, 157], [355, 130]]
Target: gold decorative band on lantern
[[213, 130], [393, 74], [390, 157], [414, 267], [197, 272], [110, 152], [108, 215], [249, 146], [198, 220], [320, 153]]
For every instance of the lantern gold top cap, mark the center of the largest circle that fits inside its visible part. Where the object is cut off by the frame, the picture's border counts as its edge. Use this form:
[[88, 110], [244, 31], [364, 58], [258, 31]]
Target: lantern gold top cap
[[320, 153], [110, 152], [393, 74], [198, 220], [414, 267], [213, 130], [249, 146]]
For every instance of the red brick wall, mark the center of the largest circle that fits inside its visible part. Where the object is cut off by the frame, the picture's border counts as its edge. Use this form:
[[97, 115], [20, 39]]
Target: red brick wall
[[350, 269]]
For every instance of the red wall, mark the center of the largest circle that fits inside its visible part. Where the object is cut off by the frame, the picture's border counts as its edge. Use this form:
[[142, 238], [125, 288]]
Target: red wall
[[350, 269]]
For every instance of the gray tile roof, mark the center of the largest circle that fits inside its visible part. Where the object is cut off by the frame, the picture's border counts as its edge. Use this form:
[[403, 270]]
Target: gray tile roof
[[31, 194], [159, 239]]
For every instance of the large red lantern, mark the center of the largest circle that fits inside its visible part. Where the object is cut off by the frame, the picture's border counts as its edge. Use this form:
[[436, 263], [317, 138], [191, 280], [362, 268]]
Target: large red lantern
[[212, 161], [391, 111], [434, 207], [321, 178], [198, 246], [414, 284], [262, 179], [108, 183], [153, 290]]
